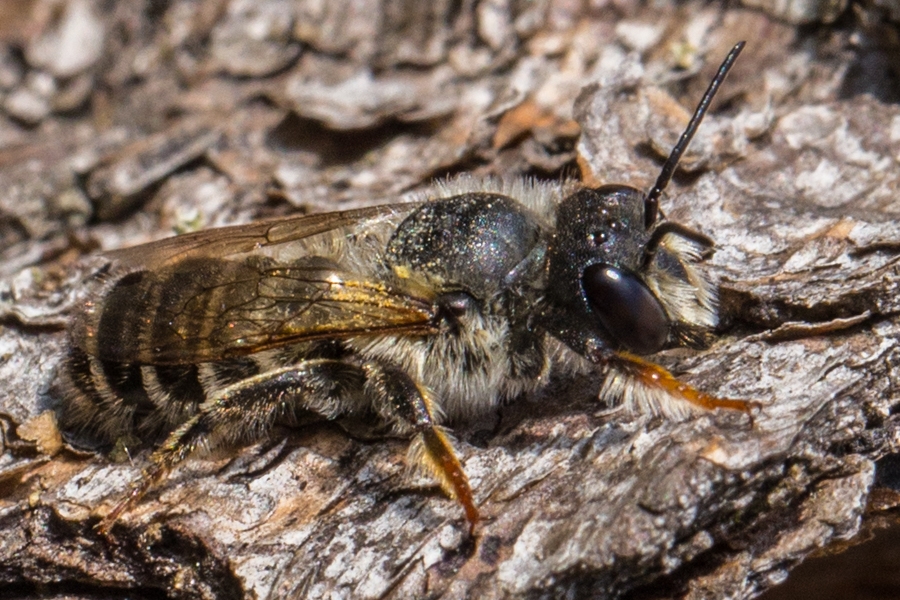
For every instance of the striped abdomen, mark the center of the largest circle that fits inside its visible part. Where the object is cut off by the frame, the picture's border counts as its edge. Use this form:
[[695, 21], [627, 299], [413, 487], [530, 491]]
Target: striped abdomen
[[110, 400]]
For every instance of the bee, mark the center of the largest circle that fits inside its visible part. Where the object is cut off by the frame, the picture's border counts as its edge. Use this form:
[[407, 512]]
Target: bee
[[399, 318]]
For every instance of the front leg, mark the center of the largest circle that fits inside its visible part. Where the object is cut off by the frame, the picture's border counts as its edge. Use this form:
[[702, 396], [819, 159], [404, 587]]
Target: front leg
[[648, 388]]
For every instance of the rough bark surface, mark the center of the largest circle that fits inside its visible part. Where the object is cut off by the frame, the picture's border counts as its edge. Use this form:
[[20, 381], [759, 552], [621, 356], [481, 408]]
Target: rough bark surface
[[123, 121]]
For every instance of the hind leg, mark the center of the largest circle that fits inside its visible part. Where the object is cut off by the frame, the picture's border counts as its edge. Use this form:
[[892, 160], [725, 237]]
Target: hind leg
[[246, 411]]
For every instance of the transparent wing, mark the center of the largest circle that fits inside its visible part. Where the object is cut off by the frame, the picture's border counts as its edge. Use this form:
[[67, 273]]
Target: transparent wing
[[207, 296], [223, 242], [209, 309]]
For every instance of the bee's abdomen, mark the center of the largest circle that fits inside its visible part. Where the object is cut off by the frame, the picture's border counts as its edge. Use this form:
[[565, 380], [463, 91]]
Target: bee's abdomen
[[176, 315], [108, 400]]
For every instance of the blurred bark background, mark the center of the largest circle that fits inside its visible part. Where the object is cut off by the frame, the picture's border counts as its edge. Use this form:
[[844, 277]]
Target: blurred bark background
[[126, 121]]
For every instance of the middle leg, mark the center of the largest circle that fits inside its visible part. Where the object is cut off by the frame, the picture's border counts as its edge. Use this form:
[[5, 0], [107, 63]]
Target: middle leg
[[411, 410]]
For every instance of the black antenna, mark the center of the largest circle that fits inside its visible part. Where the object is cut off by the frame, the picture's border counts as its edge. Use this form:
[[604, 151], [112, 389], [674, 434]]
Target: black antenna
[[651, 202]]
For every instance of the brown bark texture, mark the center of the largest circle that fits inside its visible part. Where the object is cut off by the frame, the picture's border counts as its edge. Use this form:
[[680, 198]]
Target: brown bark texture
[[125, 121]]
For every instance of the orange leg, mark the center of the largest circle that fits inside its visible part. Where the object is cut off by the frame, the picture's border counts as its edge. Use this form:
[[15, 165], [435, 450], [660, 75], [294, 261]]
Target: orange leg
[[654, 377], [401, 401], [137, 491], [443, 462]]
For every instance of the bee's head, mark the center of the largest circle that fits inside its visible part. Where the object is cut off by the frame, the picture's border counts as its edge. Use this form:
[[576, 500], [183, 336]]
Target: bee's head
[[619, 274], [629, 284]]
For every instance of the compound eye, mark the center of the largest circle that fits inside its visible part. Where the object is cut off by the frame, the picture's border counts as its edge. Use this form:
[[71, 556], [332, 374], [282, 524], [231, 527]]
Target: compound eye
[[626, 308]]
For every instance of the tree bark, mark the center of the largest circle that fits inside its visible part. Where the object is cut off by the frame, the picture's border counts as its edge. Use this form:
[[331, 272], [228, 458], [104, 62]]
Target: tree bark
[[181, 117]]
